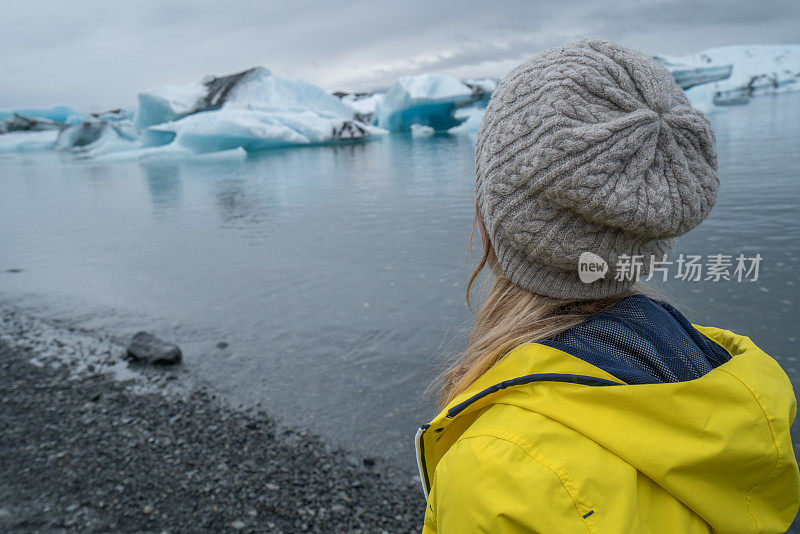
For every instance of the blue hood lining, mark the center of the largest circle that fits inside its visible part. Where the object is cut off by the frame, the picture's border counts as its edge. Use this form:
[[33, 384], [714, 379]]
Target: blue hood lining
[[642, 341]]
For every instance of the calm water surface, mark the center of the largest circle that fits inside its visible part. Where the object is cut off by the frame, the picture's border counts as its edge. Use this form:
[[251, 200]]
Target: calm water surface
[[336, 274]]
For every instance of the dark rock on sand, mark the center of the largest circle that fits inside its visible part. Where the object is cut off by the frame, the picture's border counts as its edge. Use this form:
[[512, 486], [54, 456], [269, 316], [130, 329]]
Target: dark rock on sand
[[144, 347]]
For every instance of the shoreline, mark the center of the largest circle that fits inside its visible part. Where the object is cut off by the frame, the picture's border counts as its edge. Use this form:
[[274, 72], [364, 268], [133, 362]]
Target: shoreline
[[84, 451]]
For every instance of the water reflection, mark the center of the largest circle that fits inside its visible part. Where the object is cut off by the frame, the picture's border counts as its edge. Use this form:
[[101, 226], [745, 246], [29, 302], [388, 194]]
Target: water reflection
[[164, 183]]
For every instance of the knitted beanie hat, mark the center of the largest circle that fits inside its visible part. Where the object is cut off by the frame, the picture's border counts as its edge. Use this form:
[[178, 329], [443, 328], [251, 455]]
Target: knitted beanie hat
[[590, 148]]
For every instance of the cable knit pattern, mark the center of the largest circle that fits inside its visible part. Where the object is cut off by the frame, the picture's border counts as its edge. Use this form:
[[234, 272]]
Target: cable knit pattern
[[590, 147]]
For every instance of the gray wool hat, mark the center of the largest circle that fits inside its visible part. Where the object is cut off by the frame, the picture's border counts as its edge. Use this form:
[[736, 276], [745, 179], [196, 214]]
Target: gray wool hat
[[590, 147]]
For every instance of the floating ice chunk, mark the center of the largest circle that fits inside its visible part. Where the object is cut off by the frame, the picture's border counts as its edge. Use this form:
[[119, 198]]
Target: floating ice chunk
[[95, 137], [363, 104], [252, 109], [28, 141], [19, 123], [470, 126], [756, 70], [63, 114], [255, 88], [688, 74], [420, 130], [169, 103], [175, 101], [263, 91], [702, 98], [428, 99], [169, 153], [117, 114], [232, 127], [487, 85]]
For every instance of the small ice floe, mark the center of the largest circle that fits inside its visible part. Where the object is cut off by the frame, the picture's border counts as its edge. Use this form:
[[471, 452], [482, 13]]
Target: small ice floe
[[731, 97], [473, 117], [420, 130]]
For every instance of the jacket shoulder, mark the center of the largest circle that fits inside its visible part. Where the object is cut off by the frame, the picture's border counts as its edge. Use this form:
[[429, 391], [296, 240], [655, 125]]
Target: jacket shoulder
[[497, 481]]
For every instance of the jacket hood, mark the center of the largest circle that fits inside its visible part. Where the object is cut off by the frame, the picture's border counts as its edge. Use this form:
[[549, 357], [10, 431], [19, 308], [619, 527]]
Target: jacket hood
[[720, 443]]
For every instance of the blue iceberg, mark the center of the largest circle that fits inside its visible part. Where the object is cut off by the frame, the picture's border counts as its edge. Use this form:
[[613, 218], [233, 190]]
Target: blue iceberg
[[428, 100]]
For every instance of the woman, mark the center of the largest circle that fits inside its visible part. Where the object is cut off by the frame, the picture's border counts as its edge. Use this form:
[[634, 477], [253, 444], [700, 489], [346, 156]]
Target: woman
[[586, 406]]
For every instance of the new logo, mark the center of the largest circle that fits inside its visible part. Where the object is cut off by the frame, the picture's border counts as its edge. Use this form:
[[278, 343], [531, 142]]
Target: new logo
[[591, 267]]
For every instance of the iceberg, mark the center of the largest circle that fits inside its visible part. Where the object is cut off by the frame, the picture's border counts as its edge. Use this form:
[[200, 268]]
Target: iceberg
[[166, 153], [28, 141], [363, 104], [688, 75], [419, 130], [258, 130], [62, 114], [35, 129], [117, 114], [429, 100], [486, 86], [173, 102], [755, 70], [20, 123], [253, 109], [469, 128], [250, 110], [96, 136]]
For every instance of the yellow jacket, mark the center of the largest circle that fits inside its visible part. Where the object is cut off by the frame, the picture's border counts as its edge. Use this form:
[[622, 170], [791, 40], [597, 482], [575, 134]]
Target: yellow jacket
[[578, 450]]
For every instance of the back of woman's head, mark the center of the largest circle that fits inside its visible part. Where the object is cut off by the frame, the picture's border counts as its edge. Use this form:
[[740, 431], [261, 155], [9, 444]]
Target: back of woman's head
[[592, 148]]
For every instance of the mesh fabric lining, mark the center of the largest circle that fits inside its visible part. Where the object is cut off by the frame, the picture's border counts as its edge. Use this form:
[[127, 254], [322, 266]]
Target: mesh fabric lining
[[642, 341]]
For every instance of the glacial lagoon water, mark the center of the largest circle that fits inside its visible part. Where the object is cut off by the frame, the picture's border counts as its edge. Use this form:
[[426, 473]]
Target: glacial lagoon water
[[336, 274]]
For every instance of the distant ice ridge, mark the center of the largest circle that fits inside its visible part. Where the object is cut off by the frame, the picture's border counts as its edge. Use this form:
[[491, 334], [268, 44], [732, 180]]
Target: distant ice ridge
[[255, 110], [429, 100], [755, 70]]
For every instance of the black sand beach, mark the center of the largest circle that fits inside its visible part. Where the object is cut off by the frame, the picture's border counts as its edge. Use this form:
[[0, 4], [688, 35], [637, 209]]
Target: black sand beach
[[87, 453]]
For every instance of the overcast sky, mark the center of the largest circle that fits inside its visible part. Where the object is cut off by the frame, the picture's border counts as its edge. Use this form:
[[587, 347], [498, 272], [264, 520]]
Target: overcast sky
[[96, 54]]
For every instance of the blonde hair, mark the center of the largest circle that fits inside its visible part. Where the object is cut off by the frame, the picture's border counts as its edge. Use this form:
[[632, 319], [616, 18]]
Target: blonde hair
[[509, 317]]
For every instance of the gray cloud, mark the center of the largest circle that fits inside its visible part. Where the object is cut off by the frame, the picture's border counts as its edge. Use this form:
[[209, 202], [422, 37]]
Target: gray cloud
[[97, 54]]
